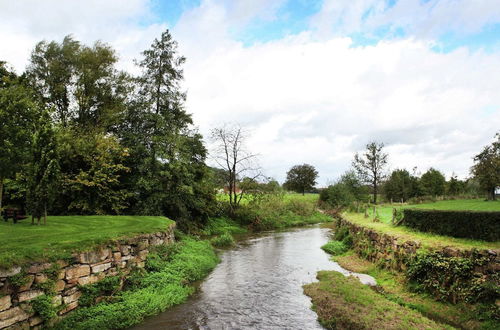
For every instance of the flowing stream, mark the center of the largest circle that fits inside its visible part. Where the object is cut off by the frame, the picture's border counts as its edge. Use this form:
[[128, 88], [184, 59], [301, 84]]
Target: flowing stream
[[257, 285]]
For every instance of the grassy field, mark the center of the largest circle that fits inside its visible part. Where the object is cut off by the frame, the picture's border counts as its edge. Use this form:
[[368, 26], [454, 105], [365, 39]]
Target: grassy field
[[286, 197], [426, 239], [63, 234], [344, 303], [384, 211]]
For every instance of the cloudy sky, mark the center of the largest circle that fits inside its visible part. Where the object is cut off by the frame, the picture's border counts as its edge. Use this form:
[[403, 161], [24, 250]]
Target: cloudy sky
[[313, 80]]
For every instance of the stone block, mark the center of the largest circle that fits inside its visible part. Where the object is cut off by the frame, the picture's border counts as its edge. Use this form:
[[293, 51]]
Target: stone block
[[143, 254], [77, 271], [142, 244], [61, 275], [60, 285], [10, 272], [72, 298], [28, 295], [38, 268], [69, 307], [5, 303], [41, 278], [36, 320], [88, 280], [117, 257], [125, 250], [12, 316], [57, 300], [30, 279], [100, 267]]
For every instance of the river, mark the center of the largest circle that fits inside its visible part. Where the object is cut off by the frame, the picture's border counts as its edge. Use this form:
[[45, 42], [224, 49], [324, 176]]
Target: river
[[257, 285]]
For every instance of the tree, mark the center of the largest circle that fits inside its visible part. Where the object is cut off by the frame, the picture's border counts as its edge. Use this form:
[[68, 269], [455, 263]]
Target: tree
[[17, 110], [301, 178], [455, 186], [399, 186], [80, 82], [43, 170], [370, 167], [231, 154], [487, 168], [433, 183]]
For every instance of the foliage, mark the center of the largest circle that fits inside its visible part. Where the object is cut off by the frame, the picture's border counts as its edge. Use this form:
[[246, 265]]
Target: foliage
[[105, 287], [370, 166], [487, 167], [43, 170], [337, 196], [153, 293], [400, 186], [43, 307], [223, 240], [17, 115], [466, 224], [301, 178], [453, 278], [433, 183], [335, 247], [92, 166]]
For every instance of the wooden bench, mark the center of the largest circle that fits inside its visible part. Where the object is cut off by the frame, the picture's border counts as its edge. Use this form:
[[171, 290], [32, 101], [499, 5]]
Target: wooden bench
[[15, 214]]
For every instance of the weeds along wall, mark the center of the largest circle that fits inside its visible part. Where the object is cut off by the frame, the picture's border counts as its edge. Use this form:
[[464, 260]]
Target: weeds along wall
[[34, 293], [466, 224], [449, 274]]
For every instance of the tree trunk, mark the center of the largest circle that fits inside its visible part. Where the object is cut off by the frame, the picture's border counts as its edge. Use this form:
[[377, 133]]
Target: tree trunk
[[1, 194], [375, 190], [45, 214], [493, 196]]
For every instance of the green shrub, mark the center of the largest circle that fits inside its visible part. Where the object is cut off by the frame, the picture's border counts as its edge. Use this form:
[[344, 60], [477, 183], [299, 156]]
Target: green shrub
[[465, 224], [335, 247], [106, 287], [223, 240], [43, 307], [337, 196], [453, 278]]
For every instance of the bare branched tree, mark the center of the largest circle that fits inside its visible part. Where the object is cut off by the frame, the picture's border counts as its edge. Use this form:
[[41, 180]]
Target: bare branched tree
[[231, 154], [370, 166]]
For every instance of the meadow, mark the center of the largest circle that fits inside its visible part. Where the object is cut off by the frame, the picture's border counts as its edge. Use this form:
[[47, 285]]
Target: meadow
[[62, 235]]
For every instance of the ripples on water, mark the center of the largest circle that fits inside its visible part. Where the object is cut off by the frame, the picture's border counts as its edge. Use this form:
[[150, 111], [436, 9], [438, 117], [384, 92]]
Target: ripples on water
[[257, 285]]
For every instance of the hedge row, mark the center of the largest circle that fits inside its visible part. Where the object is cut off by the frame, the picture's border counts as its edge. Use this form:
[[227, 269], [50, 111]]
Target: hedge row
[[466, 224]]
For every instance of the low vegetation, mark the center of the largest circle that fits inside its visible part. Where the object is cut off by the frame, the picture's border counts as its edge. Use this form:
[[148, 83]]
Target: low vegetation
[[65, 234], [149, 293], [393, 286], [344, 303]]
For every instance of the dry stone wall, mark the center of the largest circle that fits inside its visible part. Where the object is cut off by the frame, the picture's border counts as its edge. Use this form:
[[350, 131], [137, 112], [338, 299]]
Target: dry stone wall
[[397, 254], [20, 285]]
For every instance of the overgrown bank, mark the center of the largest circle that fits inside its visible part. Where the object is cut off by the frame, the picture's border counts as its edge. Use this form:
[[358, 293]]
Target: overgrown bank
[[456, 286]]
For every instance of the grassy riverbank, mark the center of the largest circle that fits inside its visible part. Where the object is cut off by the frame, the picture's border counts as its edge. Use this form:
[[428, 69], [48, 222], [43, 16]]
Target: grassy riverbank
[[166, 282], [344, 303], [62, 235]]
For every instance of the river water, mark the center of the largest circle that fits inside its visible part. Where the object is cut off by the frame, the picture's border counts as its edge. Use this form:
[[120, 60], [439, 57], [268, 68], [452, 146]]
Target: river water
[[257, 285]]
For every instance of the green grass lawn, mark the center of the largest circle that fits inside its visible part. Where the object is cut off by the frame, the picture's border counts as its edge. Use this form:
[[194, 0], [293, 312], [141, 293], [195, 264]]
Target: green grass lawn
[[286, 197], [64, 234], [426, 239], [385, 210]]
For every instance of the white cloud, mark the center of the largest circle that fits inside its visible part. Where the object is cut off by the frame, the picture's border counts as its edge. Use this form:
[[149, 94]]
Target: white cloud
[[425, 19], [306, 99]]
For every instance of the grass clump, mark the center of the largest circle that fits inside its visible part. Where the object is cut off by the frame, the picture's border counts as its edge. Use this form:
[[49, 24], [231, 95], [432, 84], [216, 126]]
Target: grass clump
[[151, 292], [335, 247], [344, 303], [63, 235], [223, 240]]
